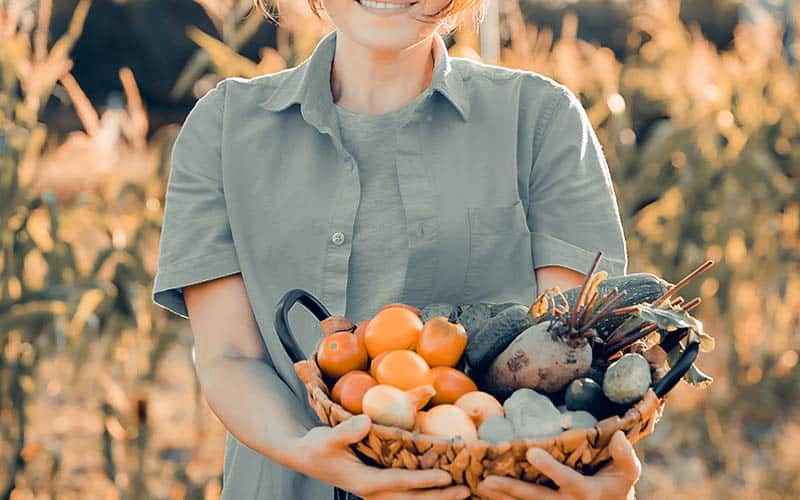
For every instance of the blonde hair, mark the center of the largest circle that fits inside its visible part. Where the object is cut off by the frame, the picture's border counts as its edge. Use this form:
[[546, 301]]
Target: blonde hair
[[453, 15]]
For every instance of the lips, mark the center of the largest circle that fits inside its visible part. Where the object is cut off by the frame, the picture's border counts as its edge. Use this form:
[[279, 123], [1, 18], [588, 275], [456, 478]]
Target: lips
[[408, 4]]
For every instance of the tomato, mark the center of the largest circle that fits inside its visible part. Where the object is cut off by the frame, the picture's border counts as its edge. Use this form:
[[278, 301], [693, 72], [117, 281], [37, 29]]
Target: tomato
[[391, 329], [441, 343], [341, 352]]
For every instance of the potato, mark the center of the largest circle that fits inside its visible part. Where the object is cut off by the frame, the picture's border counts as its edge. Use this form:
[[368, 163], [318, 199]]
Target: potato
[[537, 360]]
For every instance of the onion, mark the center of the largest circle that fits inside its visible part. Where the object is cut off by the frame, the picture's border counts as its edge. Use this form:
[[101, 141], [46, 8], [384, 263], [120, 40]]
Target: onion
[[388, 405], [448, 421], [479, 406]]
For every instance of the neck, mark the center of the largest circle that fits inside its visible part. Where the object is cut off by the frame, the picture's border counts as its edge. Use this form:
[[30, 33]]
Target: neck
[[368, 81]]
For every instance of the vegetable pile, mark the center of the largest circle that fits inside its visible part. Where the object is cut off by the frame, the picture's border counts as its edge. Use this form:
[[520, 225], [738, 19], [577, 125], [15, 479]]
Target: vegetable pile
[[499, 372]]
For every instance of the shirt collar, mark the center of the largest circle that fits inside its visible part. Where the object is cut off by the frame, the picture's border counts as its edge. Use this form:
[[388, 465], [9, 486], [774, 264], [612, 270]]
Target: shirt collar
[[309, 82]]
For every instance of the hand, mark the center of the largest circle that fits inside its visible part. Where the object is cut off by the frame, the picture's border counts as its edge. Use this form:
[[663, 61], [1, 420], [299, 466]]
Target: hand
[[324, 453], [612, 482]]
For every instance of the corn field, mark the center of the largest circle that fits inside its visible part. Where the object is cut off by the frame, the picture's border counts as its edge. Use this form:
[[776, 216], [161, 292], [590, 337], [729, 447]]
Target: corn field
[[98, 397]]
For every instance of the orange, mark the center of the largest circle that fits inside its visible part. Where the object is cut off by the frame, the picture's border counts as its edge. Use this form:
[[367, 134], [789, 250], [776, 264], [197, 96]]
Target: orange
[[341, 352], [361, 328], [403, 369], [349, 390], [373, 366], [411, 308], [391, 329], [441, 343], [450, 384]]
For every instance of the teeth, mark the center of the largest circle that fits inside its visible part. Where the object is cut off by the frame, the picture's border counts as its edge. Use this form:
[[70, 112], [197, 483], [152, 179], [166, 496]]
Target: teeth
[[381, 5]]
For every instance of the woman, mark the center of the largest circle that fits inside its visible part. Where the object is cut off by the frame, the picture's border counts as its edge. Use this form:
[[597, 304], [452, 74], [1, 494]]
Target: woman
[[378, 170]]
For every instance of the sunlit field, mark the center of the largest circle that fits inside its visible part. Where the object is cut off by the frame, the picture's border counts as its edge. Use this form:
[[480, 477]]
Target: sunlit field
[[98, 397]]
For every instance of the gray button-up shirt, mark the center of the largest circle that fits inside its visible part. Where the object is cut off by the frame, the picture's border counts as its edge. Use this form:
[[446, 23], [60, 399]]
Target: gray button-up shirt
[[499, 170]]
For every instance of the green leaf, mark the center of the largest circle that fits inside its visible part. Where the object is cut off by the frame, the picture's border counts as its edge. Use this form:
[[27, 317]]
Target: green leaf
[[706, 341], [696, 377], [669, 319]]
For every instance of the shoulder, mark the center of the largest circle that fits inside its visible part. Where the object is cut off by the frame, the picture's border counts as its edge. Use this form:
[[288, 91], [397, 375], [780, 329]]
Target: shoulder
[[260, 82], [506, 90], [529, 81], [239, 93]]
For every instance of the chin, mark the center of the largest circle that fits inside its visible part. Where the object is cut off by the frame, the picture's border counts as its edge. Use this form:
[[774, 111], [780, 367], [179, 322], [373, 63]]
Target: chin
[[381, 33]]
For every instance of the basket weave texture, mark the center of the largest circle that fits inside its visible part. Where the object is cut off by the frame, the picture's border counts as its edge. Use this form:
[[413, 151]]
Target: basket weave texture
[[584, 450]]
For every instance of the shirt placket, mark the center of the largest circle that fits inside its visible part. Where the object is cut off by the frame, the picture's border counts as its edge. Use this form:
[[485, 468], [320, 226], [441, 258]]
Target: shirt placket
[[341, 220], [417, 190]]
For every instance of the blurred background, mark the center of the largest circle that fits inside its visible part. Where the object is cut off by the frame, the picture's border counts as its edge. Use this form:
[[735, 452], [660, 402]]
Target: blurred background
[[696, 103]]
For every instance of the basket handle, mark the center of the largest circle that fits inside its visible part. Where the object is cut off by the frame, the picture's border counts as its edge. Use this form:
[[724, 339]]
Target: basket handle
[[282, 319], [679, 369]]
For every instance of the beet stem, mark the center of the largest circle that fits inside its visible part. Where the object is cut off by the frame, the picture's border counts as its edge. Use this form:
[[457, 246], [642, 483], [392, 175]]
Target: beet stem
[[625, 341], [683, 282], [604, 310], [574, 316], [588, 307]]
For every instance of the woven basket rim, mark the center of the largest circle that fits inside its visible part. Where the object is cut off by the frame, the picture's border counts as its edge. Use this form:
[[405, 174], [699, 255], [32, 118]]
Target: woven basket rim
[[605, 427]]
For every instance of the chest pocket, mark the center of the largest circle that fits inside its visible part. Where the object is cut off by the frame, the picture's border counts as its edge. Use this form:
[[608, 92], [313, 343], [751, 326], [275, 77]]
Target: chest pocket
[[499, 266]]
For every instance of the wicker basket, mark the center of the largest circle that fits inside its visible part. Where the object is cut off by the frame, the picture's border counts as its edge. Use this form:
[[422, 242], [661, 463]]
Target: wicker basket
[[584, 450]]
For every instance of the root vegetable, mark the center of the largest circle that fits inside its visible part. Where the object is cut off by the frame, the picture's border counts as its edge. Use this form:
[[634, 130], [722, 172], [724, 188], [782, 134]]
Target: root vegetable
[[627, 379], [388, 405], [540, 360], [498, 332], [479, 406], [474, 317], [448, 421], [496, 429], [496, 309], [449, 311], [639, 287]]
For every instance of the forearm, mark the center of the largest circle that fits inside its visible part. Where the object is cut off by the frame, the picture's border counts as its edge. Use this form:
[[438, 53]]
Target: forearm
[[254, 404], [548, 277]]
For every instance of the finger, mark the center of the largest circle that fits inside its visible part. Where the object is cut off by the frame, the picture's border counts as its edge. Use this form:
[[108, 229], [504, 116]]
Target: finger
[[486, 492], [403, 479], [550, 467], [452, 493], [624, 456], [352, 430], [515, 488]]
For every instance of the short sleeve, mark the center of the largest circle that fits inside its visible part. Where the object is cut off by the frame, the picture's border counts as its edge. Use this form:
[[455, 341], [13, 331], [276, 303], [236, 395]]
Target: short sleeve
[[572, 211], [195, 243]]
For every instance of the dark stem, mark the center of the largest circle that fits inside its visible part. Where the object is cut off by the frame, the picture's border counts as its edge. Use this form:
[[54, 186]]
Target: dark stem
[[685, 281], [588, 308], [573, 317], [692, 304], [625, 340], [603, 312]]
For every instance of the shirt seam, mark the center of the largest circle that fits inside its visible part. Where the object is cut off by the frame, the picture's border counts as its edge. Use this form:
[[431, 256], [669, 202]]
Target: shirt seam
[[182, 263], [545, 124], [539, 134], [224, 86]]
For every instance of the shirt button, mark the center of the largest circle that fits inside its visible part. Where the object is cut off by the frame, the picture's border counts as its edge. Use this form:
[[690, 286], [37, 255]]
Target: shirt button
[[429, 118], [337, 238], [350, 164]]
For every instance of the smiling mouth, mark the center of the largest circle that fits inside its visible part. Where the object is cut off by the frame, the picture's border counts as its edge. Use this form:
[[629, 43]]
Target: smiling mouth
[[387, 7]]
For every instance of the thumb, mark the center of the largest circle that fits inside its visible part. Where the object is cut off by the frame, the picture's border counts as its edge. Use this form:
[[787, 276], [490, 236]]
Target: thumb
[[351, 431], [624, 456]]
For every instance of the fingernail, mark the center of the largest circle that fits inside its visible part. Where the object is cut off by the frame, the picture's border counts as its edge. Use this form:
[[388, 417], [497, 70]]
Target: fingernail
[[358, 420], [536, 455]]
